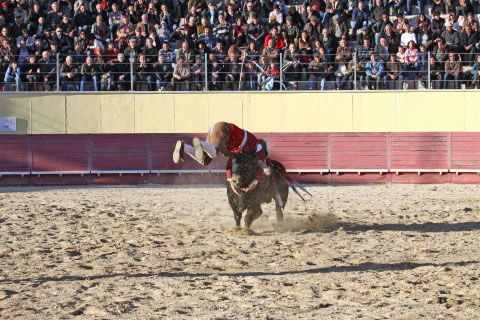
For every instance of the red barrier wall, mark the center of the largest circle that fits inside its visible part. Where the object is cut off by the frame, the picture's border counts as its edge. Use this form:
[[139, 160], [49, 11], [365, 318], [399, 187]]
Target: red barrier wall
[[343, 158]]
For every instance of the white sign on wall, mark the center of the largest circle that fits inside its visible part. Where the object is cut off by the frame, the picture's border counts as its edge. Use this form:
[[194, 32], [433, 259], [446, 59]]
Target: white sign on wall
[[8, 124]]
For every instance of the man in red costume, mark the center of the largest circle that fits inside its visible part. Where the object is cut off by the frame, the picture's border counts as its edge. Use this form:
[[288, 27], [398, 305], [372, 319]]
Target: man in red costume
[[227, 139]]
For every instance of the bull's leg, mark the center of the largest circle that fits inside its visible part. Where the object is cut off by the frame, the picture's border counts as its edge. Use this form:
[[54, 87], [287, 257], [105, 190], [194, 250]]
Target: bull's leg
[[279, 210], [238, 218], [252, 214]]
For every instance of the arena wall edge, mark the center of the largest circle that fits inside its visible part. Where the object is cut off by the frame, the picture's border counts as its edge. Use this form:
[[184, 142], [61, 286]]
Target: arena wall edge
[[425, 111]]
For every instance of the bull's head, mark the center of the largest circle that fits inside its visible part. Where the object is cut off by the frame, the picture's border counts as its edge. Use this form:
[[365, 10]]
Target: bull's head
[[244, 169]]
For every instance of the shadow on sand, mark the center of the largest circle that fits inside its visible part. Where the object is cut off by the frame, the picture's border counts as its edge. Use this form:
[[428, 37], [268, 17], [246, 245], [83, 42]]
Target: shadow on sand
[[365, 267]]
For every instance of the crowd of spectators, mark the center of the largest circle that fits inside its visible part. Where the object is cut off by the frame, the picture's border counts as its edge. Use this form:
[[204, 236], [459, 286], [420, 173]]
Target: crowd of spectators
[[237, 44]]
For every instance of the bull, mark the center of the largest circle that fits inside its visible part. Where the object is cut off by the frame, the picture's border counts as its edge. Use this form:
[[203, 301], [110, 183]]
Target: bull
[[241, 197]]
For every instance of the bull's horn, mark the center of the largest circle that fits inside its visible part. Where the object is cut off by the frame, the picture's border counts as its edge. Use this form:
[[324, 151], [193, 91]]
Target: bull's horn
[[266, 169]]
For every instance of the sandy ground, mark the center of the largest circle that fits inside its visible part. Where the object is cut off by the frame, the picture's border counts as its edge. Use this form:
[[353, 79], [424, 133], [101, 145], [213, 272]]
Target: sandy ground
[[351, 252]]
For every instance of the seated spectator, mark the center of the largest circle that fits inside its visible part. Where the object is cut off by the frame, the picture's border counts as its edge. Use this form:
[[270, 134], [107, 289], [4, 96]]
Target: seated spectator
[[360, 18], [329, 43], [89, 71], [422, 19], [198, 74], [407, 36], [411, 59], [365, 34], [344, 52], [29, 41], [474, 73], [291, 64], [438, 6], [169, 18], [374, 70], [338, 28], [105, 73], [393, 39], [383, 50], [181, 73], [186, 53], [363, 53], [100, 30], [48, 70], [22, 53], [394, 72], [142, 72], [64, 43], [208, 38], [291, 30], [69, 74], [239, 32], [121, 73], [471, 21], [31, 71], [256, 31], [305, 42], [216, 75], [149, 51], [453, 71], [313, 28], [67, 27], [251, 54], [422, 63], [277, 39], [451, 38], [222, 30], [163, 73], [333, 7], [232, 72], [469, 41], [341, 76], [317, 70], [380, 26], [356, 67], [82, 18], [424, 36], [270, 51], [163, 33], [12, 76], [249, 76], [167, 53], [399, 24], [132, 50]]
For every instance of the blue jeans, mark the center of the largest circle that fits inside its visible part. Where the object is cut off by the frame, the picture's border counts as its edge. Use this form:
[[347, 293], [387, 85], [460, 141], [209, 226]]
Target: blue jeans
[[312, 79], [161, 83], [327, 15], [149, 82], [340, 81], [387, 79], [456, 78], [9, 80], [95, 82], [409, 6], [64, 81]]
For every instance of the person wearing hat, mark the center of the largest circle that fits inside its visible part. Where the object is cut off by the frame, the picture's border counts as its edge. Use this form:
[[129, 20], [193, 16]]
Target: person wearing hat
[[256, 31], [277, 13], [313, 28], [17, 26], [293, 33], [451, 37], [338, 28], [198, 74], [163, 33], [132, 50], [365, 34]]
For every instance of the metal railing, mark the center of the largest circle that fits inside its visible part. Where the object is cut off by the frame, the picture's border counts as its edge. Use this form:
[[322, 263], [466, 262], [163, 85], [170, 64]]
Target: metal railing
[[283, 71]]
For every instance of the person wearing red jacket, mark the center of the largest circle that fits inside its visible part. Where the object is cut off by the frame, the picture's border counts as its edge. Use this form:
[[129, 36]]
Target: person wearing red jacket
[[227, 139], [277, 39]]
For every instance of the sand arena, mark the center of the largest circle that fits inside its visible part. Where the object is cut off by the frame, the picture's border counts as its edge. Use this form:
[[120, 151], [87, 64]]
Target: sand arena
[[154, 252]]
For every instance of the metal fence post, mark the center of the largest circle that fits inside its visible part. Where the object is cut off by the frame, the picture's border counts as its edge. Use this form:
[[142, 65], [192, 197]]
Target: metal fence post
[[429, 86], [58, 71], [132, 59], [281, 72], [206, 72], [355, 72]]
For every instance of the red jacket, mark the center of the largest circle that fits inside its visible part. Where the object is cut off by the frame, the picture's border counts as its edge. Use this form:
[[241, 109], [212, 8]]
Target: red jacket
[[279, 43]]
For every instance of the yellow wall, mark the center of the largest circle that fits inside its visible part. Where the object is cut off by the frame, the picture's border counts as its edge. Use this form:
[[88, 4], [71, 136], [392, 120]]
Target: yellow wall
[[258, 112]]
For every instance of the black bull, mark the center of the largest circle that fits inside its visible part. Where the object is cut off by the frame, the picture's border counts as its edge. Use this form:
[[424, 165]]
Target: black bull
[[244, 168]]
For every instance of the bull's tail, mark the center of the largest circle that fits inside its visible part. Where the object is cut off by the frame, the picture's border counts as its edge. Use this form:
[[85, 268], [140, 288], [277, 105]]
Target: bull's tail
[[280, 169]]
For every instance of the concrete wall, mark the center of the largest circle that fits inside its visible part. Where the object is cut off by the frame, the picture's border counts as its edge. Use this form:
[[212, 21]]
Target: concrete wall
[[258, 112]]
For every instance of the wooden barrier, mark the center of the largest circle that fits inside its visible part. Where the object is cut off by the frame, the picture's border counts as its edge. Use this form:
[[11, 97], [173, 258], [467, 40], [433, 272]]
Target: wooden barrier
[[422, 157]]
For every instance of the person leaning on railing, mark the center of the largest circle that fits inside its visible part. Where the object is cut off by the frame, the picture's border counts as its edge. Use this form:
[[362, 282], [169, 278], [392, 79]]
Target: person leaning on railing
[[12, 76]]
